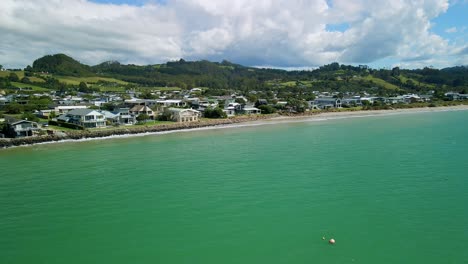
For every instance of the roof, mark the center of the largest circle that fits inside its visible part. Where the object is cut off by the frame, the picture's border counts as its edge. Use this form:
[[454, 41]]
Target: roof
[[108, 114], [251, 109], [323, 99], [22, 121], [139, 108], [80, 112], [183, 110]]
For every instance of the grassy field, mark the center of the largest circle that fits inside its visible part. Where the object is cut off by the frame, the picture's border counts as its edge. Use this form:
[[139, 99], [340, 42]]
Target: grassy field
[[381, 82], [404, 79], [110, 88], [34, 87], [6, 73], [152, 123], [88, 80], [160, 88]]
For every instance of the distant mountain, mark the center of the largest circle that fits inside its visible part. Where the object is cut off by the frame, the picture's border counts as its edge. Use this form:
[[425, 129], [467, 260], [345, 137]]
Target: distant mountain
[[61, 64], [457, 69]]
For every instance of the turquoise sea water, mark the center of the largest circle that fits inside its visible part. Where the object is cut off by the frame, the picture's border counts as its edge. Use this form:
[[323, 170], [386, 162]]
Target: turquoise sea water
[[390, 189]]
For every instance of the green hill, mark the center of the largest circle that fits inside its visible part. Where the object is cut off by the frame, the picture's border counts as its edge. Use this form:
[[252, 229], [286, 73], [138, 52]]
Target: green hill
[[61, 64], [226, 77]]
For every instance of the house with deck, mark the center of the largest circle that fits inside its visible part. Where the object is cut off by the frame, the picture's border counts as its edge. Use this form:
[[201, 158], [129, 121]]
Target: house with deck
[[142, 109], [124, 116], [87, 118], [184, 115], [327, 102], [21, 128]]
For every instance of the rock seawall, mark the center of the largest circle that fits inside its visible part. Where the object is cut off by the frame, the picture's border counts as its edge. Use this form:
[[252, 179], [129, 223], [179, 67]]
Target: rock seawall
[[96, 133]]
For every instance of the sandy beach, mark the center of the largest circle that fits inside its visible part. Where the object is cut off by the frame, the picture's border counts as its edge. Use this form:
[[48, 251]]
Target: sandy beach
[[216, 124]]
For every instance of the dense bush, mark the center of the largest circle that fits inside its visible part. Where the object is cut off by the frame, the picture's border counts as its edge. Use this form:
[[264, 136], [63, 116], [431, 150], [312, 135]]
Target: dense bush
[[214, 113], [64, 124]]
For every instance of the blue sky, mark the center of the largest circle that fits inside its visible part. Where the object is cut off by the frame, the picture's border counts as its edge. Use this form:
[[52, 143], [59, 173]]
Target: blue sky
[[455, 20], [273, 33]]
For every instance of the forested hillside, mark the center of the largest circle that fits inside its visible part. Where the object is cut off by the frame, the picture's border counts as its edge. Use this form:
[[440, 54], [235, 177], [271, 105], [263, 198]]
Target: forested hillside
[[61, 70]]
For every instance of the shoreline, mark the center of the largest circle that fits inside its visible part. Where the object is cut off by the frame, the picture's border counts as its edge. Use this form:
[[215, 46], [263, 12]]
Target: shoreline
[[125, 132]]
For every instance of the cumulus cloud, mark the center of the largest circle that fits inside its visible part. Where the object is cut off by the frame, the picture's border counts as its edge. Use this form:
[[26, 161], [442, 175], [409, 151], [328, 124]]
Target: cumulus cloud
[[284, 33]]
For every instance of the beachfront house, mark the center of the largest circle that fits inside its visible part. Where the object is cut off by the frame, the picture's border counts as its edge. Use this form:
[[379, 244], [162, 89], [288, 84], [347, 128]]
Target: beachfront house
[[21, 128], [250, 110], [125, 118], [184, 115], [327, 102], [351, 102], [142, 109], [87, 118]]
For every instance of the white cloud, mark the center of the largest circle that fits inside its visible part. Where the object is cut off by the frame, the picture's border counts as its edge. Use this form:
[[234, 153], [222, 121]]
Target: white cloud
[[451, 30], [283, 33]]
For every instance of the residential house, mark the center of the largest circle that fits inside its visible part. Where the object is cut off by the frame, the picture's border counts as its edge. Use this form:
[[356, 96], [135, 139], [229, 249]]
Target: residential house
[[456, 96], [327, 102], [351, 102], [87, 118], [111, 118], [396, 100], [184, 115], [142, 109], [62, 109], [21, 128], [125, 118], [250, 110], [232, 108]]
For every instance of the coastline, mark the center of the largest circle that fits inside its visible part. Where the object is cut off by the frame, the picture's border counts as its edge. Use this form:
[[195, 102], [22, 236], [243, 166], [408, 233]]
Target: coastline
[[86, 135]]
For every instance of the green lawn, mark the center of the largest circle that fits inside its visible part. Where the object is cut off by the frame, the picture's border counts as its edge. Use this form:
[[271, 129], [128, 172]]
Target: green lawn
[[34, 87], [7, 73], [404, 79], [110, 88], [153, 123], [58, 128], [161, 88], [381, 82], [88, 80]]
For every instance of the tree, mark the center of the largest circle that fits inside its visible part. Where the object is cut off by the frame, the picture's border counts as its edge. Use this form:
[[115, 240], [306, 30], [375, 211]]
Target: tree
[[1, 67], [166, 115], [108, 107], [215, 113], [52, 115], [267, 109], [147, 95], [83, 87], [240, 101], [30, 117], [26, 80], [297, 105], [142, 117], [396, 71], [13, 77], [13, 108]]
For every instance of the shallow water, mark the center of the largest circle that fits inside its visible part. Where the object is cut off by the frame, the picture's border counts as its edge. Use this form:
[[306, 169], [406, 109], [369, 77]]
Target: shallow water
[[389, 189]]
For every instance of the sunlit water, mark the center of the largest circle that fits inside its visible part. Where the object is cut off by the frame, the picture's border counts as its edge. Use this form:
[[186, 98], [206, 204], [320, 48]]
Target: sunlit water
[[390, 189]]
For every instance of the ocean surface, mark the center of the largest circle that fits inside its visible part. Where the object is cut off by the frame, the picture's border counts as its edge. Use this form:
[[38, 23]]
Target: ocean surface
[[388, 189]]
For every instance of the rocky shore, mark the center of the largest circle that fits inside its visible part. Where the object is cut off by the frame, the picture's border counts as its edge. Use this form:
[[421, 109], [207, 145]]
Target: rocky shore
[[97, 133], [130, 130]]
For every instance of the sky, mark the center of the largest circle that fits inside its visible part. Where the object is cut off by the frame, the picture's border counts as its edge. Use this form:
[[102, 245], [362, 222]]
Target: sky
[[289, 34]]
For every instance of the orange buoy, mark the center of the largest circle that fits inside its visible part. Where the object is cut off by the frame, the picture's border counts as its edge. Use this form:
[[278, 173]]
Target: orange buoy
[[332, 241]]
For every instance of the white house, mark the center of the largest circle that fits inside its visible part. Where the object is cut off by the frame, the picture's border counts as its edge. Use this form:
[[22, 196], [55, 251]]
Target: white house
[[184, 115], [142, 109], [88, 118]]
